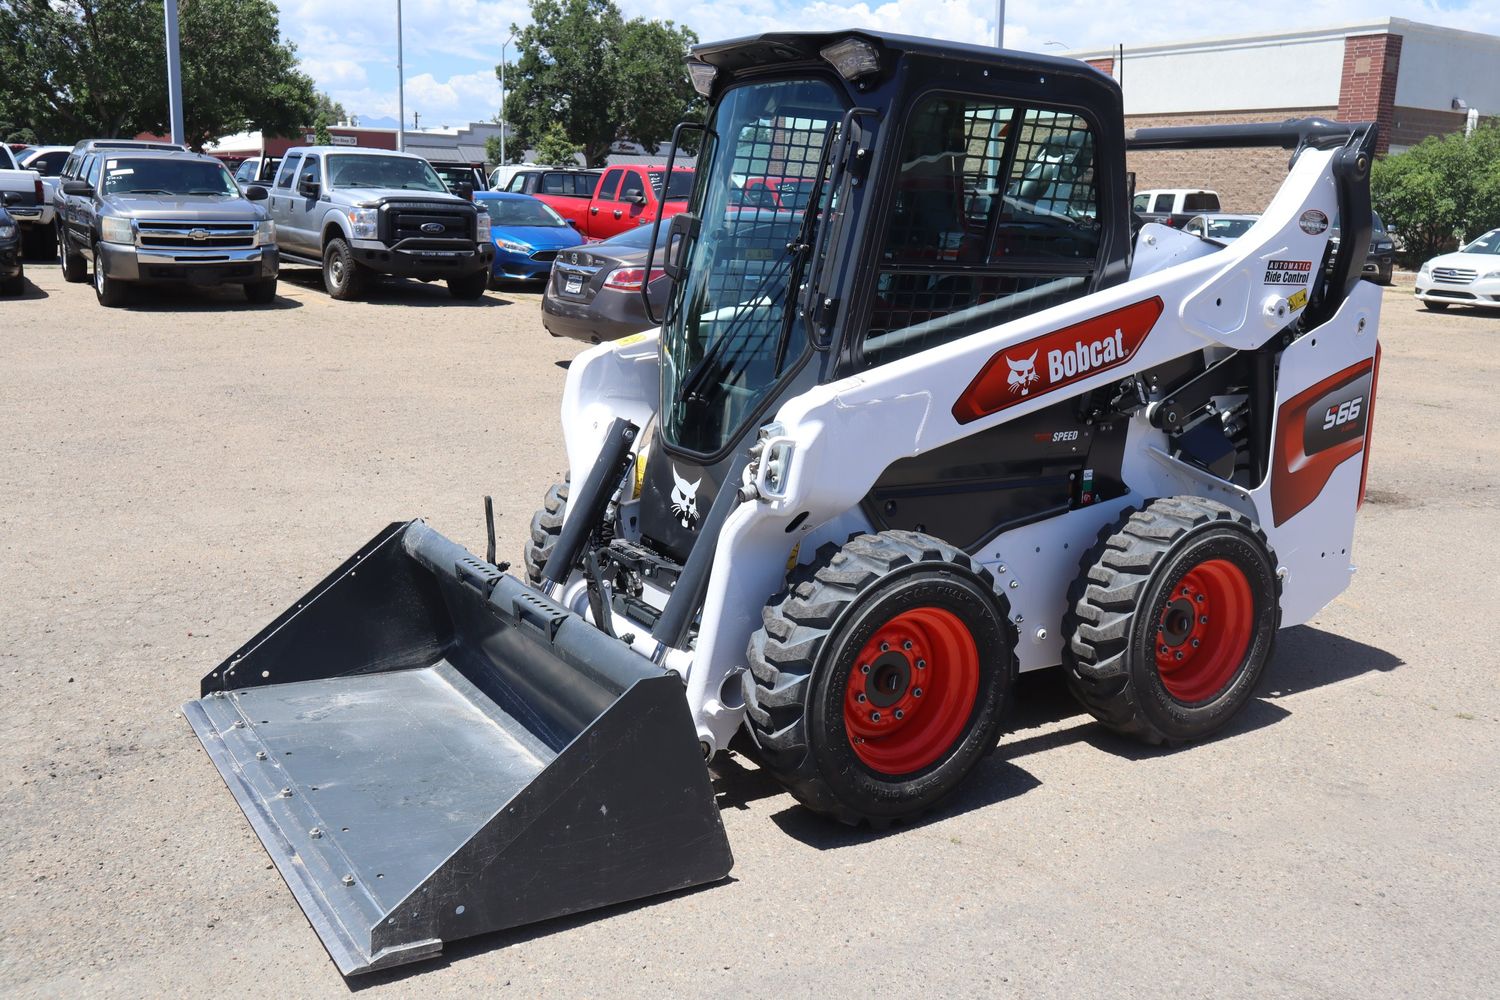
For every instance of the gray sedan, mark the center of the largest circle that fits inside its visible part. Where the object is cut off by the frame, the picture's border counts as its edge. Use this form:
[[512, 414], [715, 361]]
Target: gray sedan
[[594, 293]]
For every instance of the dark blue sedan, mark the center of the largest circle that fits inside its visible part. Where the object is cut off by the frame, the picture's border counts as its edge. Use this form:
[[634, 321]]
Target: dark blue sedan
[[527, 234]]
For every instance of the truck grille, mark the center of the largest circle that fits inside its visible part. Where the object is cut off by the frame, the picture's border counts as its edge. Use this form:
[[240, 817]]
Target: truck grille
[[1454, 275], [175, 235], [411, 221]]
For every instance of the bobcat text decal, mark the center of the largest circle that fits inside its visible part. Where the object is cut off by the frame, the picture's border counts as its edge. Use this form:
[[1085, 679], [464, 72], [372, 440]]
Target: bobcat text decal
[[1056, 359]]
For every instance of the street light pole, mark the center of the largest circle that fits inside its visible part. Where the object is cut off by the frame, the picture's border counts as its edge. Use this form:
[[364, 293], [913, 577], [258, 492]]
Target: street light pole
[[999, 24], [503, 47], [400, 87], [174, 72]]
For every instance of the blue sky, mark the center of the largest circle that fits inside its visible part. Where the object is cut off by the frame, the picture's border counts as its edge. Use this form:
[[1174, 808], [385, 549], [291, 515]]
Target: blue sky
[[452, 46]]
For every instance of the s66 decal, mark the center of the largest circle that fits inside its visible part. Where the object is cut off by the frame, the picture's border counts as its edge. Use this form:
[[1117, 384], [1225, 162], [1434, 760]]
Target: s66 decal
[[1316, 431], [1053, 360]]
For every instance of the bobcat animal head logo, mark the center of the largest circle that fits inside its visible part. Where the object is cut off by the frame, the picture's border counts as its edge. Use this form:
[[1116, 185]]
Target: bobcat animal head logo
[[1022, 374], [685, 499]]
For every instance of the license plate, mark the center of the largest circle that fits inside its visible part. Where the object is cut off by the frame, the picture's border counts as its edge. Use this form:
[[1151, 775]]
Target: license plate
[[572, 284]]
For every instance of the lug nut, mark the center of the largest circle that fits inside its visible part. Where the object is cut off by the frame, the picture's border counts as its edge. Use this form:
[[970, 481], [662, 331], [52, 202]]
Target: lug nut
[[1195, 643], [864, 668], [874, 716], [260, 755], [347, 880], [860, 698], [900, 714], [921, 664], [906, 645], [1165, 650], [916, 692], [885, 647], [1200, 598], [1203, 619], [1179, 654]]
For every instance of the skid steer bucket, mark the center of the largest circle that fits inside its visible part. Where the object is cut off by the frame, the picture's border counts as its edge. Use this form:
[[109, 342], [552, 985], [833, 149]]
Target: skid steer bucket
[[429, 749]]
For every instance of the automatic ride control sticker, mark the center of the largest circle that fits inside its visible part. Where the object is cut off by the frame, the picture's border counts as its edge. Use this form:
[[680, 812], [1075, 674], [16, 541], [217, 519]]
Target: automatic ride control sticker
[[1043, 364], [1288, 272]]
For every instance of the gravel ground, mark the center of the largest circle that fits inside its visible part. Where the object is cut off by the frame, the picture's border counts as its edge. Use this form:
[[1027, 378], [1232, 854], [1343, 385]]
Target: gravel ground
[[173, 474]]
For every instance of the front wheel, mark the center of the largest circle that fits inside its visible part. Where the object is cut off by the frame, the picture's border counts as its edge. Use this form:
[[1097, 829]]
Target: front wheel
[[343, 277], [879, 678], [75, 268], [470, 286], [1431, 306], [109, 291], [1172, 621]]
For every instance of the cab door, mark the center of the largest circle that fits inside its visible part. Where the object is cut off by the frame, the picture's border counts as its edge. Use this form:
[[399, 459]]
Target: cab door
[[281, 201], [602, 204], [303, 214]]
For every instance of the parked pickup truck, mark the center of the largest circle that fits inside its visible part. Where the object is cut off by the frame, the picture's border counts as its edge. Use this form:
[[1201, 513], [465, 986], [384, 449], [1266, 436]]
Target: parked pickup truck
[[26, 201], [1173, 206], [147, 216], [621, 199], [362, 213]]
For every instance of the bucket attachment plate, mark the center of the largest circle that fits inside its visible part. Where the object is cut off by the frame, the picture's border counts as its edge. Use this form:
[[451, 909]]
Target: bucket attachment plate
[[429, 750]]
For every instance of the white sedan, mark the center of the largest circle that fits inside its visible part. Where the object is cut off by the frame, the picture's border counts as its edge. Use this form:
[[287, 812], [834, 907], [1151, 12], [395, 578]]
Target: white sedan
[[1469, 277]]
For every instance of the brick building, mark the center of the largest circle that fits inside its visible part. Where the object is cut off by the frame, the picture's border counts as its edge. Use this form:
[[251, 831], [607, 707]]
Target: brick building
[[1415, 79]]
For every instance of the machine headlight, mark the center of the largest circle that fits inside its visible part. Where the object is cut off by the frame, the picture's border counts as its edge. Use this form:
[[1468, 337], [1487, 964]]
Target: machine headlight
[[363, 222], [1426, 268], [482, 227], [116, 230], [7, 231], [265, 233], [514, 246]]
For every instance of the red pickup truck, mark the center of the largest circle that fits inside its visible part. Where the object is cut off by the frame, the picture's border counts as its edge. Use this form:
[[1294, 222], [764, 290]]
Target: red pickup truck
[[623, 198]]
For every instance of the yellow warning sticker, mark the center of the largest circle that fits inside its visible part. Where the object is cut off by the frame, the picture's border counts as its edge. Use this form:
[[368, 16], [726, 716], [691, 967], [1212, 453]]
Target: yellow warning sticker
[[634, 338], [1298, 299]]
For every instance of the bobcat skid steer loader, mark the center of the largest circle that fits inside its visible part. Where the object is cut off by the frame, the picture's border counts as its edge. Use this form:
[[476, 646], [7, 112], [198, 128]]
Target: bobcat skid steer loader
[[931, 414]]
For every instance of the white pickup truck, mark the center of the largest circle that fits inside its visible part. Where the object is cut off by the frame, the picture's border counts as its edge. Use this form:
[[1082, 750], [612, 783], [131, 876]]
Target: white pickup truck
[[24, 198]]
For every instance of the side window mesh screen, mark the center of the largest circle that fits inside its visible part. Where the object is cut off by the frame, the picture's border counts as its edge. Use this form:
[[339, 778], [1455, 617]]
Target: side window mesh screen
[[995, 216]]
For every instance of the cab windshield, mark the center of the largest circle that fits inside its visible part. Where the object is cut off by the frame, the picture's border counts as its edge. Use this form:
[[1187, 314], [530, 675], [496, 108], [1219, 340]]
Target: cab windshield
[[370, 170], [168, 176], [729, 334]]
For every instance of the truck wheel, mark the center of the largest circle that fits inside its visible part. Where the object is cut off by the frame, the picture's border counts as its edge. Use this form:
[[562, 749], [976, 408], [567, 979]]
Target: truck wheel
[[546, 525], [343, 276], [75, 268], [470, 286], [110, 291], [1172, 620], [880, 676], [262, 293]]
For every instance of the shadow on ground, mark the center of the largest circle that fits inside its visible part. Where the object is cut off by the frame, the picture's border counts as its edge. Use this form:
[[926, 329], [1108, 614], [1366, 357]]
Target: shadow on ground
[[394, 291]]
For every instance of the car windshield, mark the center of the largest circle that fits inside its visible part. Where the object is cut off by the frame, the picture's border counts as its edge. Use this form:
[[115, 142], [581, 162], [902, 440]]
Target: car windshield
[[1488, 243], [1228, 229], [521, 212], [680, 187], [730, 333], [406, 173], [168, 176]]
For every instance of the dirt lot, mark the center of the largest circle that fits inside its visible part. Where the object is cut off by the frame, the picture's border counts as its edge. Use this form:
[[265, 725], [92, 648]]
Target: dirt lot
[[172, 474]]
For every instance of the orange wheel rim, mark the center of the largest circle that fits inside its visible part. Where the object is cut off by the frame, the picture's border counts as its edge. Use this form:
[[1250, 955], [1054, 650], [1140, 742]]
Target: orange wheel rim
[[911, 691], [1203, 631]]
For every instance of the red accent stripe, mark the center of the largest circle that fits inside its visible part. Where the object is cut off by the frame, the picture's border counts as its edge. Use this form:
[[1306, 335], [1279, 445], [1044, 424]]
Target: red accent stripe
[[1036, 367], [1297, 478]]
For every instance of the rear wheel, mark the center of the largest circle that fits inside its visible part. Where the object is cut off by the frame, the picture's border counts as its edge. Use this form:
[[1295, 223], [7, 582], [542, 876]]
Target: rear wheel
[[40, 242], [470, 286], [75, 267], [262, 293], [1172, 622], [109, 291], [14, 285], [879, 677], [1432, 306], [344, 277], [546, 525]]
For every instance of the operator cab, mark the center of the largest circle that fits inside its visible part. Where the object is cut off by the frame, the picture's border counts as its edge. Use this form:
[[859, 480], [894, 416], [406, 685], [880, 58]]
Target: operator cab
[[945, 189]]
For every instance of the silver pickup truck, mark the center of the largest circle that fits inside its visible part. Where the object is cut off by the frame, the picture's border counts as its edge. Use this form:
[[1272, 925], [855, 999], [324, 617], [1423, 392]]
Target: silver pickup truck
[[161, 217], [362, 213]]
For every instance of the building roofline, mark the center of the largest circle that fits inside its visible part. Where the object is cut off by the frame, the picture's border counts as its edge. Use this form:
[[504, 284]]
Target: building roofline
[[1376, 26]]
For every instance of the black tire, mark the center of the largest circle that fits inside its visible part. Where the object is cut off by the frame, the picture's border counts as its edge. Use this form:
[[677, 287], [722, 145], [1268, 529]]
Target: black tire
[[15, 285], [262, 293], [1140, 590], [1386, 275], [75, 267], [40, 243], [110, 292], [1436, 307], [802, 688], [546, 525], [470, 286], [344, 277]]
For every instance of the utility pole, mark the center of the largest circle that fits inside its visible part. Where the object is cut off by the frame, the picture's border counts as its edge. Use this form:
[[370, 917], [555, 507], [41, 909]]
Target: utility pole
[[503, 47], [174, 73], [400, 87], [999, 24]]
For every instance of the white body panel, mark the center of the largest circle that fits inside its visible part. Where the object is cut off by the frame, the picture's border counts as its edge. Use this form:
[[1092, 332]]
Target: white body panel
[[845, 434]]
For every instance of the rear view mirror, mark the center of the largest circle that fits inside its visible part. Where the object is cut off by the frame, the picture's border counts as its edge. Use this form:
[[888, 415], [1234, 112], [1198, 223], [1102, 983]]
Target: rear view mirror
[[256, 193], [308, 185], [573, 223], [76, 187], [638, 199], [10, 198]]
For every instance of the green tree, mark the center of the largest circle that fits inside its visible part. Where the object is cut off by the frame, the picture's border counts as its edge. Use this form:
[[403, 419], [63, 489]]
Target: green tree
[[599, 77], [492, 149], [555, 149], [1440, 190], [326, 109], [74, 69]]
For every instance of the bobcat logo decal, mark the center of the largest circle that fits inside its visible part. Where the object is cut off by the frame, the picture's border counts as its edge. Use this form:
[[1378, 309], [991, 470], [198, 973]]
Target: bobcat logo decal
[[1022, 374], [685, 499]]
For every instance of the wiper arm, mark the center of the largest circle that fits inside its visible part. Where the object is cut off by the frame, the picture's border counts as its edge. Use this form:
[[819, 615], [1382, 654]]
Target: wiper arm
[[147, 191], [700, 371]]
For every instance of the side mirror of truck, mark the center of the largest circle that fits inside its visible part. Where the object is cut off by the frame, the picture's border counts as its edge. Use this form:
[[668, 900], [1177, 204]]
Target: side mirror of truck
[[256, 193], [82, 189], [638, 199], [308, 185], [10, 198], [573, 223]]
